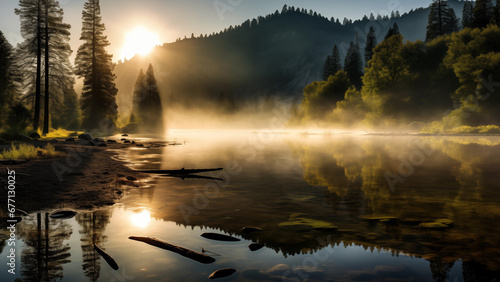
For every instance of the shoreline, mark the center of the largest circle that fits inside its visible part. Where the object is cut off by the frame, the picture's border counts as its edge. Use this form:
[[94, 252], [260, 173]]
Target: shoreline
[[87, 177]]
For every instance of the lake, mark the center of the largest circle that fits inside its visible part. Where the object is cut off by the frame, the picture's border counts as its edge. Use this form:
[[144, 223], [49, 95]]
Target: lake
[[331, 207]]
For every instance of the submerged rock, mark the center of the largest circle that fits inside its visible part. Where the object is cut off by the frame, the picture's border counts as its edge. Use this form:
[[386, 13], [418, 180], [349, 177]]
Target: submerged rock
[[255, 247], [224, 272], [250, 229]]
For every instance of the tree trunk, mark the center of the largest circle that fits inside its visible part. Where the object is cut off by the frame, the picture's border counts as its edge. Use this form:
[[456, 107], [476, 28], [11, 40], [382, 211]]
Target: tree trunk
[[46, 106], [36, 118]]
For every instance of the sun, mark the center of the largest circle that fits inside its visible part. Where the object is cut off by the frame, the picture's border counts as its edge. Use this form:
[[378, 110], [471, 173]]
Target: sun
[[139, 41]]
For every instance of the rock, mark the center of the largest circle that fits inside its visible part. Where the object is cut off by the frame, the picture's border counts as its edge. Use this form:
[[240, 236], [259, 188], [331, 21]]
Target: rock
[[111, 141], [139, 145], [34, 135], [102, 144], [87, 143], [123, 139], [255, 247], [70, 139], [125, 134], [224, 272], [86, 136], [131, 178], [126, 142], [278, 269], [63, 214], [97, 140], [133, 142]]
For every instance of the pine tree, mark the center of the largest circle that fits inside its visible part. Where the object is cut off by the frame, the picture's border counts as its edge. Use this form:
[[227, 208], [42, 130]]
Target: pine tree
[[332, 63], [7, 86], [467, 14], [48, 40], [442, 20], [483, 11], [30, 14], [93, 64], [147, 103], [371, 42], [394, 30], [353, 64]]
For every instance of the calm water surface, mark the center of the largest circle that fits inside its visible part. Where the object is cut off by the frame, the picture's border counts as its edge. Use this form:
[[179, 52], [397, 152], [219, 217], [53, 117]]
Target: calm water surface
[[332, 207]]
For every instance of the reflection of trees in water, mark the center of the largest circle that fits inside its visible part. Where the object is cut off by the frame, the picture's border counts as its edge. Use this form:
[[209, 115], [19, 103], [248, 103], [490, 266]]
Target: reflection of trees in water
[[454, 182], [44, 255], [93, 225]]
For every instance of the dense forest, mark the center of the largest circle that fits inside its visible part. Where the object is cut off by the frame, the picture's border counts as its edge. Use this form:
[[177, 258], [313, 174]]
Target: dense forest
[[432, 69]]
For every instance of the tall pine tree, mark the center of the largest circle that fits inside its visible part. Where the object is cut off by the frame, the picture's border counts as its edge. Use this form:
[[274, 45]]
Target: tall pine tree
[[371, 42], [483, 12], [442, 20], [467, 14], [94, 65], [332, 64], [46, 39], [353, 63], [147, 104], [29, 56], [394, 30]]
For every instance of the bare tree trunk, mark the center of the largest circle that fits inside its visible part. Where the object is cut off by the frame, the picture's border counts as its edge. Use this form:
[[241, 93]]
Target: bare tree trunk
[[46, 106], [36, 118]]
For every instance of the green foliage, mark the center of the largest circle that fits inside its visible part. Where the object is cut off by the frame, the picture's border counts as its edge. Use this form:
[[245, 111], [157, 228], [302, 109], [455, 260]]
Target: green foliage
[[483, 11], [371, 43], [350, 111], [474, 56], [320, 97]]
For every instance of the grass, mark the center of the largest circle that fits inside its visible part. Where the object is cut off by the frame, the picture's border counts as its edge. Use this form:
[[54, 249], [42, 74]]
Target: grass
[[60, 133], [28, 151]]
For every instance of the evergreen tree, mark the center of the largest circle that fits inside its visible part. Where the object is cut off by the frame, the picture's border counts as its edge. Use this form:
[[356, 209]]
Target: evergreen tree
[[332, 64], [442, 20], [394, 30], [483, 11], [467, 14], [47, 40], [371, 42], [147, 103], [353, 64], [93, 64], [7, 86], [30, 14]]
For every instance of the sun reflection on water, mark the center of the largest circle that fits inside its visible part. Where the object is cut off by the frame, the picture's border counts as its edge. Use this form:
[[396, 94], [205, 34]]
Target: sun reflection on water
[[141, 219]]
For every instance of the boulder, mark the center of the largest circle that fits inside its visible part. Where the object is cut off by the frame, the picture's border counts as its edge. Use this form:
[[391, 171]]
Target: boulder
[[86, 136], [34, 135]]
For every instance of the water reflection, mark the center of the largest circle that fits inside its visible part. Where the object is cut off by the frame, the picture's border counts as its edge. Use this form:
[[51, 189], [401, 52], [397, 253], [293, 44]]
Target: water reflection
[[324, 205], [141, 219], [44, 253], [93, 227]]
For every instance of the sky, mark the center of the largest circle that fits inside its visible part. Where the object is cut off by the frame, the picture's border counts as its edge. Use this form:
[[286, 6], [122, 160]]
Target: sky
[[170, 19]]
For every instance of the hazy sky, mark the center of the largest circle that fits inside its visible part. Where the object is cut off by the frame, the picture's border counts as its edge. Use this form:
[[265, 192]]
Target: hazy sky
[[171, 19]]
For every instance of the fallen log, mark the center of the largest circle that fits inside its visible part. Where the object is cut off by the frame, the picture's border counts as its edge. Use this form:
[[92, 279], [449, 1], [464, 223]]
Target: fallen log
[[219, 237], [176, 249], [106, 257], [179, 171]]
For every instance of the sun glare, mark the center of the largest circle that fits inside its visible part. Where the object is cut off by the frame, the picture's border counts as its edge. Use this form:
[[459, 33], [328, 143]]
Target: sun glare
[[141, 219], [139, 41]]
